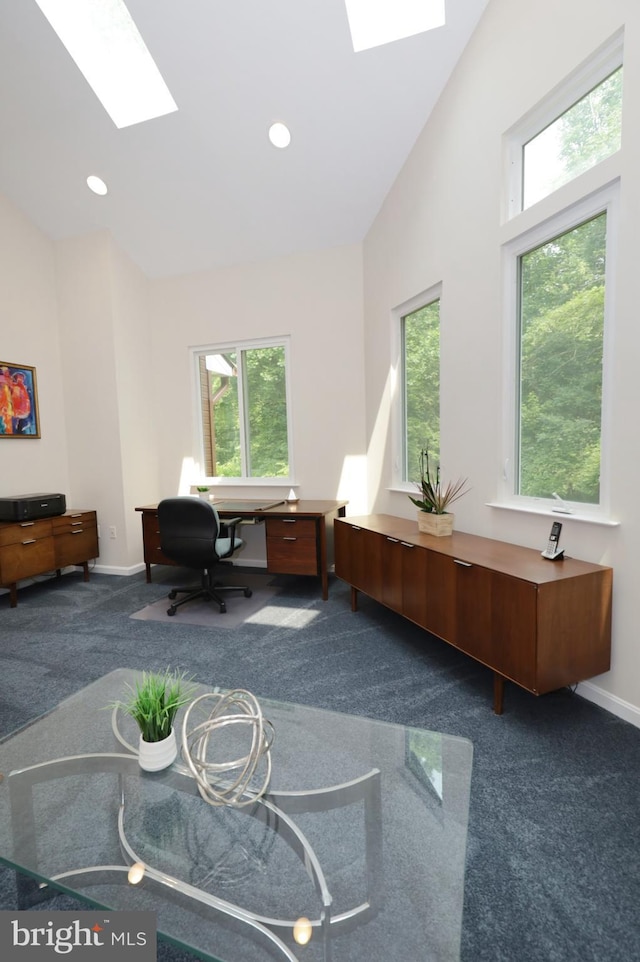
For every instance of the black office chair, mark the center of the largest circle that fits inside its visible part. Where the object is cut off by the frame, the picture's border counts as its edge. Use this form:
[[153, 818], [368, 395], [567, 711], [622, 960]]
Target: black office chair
[[192, 535]]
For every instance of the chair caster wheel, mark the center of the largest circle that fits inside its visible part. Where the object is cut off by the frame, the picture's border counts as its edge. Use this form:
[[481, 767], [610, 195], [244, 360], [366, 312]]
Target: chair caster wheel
[[248, 592], [172, 610], [172, 595], [223, 609]]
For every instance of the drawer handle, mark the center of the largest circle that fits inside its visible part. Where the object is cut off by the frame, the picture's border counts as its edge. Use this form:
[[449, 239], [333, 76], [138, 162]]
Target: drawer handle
[[79, 531], [27, 524], [393, 540], [463, 564], [289, 539], [289, 520], [78, 515], [354, 527], [31, 541], [405, 544], [76, 522]]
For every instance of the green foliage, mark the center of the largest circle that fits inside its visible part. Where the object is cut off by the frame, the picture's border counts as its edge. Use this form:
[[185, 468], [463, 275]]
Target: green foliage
[[421, 362], [562, 330], [264, 379], [154, 701], [436, 498], [590, 130]]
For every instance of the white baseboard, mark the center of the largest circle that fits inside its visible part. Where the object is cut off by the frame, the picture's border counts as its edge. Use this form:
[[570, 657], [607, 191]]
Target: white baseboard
[[617, 706], [134, 569], [117, 569]]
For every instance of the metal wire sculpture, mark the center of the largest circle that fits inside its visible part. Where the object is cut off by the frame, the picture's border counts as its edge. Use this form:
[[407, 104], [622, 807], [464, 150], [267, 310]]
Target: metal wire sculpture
[[231, 709]]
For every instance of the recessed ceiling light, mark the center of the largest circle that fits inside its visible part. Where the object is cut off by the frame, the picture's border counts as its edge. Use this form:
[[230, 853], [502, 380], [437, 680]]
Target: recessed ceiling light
[[96, 184], [107, 47], [279, 135], [374, 24]]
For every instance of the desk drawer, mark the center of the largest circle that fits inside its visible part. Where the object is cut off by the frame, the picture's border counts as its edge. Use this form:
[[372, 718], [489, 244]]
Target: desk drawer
[[291, 555], [151, 538], [290, 528], [24, 531], [32, 556]]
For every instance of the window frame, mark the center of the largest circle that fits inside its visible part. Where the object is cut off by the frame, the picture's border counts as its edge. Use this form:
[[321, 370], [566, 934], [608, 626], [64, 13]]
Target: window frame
[[604, 200], [398, 392], [605, 61], [224, 347]]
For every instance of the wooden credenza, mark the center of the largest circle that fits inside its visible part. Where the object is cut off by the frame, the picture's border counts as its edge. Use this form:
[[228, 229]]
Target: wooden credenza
[[30, 548], [541, 624]]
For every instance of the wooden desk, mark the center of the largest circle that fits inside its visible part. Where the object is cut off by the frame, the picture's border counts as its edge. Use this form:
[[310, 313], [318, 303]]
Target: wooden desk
[[30, 548], [299, 535]]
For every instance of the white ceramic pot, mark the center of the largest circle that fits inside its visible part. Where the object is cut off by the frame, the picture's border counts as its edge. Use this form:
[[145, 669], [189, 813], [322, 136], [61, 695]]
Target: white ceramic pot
[[154, 756]]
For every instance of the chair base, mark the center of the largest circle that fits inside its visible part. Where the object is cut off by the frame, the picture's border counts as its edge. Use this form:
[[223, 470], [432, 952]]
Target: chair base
[[208, 590]]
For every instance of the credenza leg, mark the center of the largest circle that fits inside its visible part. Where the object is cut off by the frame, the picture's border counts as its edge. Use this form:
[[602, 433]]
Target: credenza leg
[[325, 585], [354, 598], [148, 567], [13, 594], [498, 693]]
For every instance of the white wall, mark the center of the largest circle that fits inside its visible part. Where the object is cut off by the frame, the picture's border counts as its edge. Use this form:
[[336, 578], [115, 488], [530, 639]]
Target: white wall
[[441, 222], [108, 397], [29, 335]]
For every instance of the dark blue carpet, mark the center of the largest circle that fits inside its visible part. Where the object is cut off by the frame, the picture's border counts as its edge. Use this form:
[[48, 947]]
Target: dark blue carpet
[[552, 872]]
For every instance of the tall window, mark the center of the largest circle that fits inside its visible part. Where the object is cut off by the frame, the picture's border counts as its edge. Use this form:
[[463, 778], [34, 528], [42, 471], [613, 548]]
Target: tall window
[[561, 308], [420, 337], [244, 410], [560, 270]]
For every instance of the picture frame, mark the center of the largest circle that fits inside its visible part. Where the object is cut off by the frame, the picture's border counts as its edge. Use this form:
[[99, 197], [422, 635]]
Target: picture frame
[[19, 416]]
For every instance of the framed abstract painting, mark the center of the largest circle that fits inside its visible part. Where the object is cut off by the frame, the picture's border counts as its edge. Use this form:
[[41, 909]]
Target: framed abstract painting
[[18, 401]]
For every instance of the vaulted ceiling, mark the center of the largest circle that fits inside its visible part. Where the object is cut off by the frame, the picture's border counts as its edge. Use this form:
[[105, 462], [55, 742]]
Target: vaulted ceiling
[[203, 187]]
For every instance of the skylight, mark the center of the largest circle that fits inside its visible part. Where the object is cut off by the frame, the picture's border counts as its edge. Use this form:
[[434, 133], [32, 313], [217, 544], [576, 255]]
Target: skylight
[[376, 22], [105, 43]]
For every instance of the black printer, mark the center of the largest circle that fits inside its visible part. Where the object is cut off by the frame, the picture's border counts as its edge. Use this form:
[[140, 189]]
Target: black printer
[[27, 507]]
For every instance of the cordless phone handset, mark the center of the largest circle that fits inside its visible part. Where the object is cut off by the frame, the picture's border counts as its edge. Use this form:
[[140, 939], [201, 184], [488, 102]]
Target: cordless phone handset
[[552, 552]]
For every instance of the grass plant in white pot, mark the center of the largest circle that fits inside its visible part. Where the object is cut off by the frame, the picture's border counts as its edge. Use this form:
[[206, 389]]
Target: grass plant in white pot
[[435, 498], [153, 703]]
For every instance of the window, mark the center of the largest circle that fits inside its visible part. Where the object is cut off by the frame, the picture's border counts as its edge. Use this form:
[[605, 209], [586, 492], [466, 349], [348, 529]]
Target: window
[[580, 138], [558, 267], [575, 128], [561, 285], [243, 400], [420, 365]]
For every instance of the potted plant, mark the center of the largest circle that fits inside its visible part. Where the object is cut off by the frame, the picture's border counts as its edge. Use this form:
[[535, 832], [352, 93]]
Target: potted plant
[[203, 491], [153, 703], [435, 499]]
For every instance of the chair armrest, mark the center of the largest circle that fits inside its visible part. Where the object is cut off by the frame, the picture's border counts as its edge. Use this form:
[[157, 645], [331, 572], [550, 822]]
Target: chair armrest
[[228, 527]]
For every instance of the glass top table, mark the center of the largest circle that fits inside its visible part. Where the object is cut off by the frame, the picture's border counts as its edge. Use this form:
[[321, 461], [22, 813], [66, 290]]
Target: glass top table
[[362, 832]]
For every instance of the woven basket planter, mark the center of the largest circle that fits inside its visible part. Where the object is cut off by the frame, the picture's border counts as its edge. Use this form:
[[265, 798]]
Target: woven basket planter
[[439, 525]]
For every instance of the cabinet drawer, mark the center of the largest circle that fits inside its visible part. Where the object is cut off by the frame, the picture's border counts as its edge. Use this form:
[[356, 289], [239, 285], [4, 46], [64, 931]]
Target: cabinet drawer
[[73, 520], [76, 546], [290, 528], [291, 555], [24, 531], [32, 556]]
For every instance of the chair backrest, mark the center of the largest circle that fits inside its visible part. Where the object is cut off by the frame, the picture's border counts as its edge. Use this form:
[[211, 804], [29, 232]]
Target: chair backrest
[[189, 528]]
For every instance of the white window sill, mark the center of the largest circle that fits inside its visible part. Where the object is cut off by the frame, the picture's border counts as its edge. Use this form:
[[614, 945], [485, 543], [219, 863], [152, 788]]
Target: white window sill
[[556, 515], [249, 483]]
